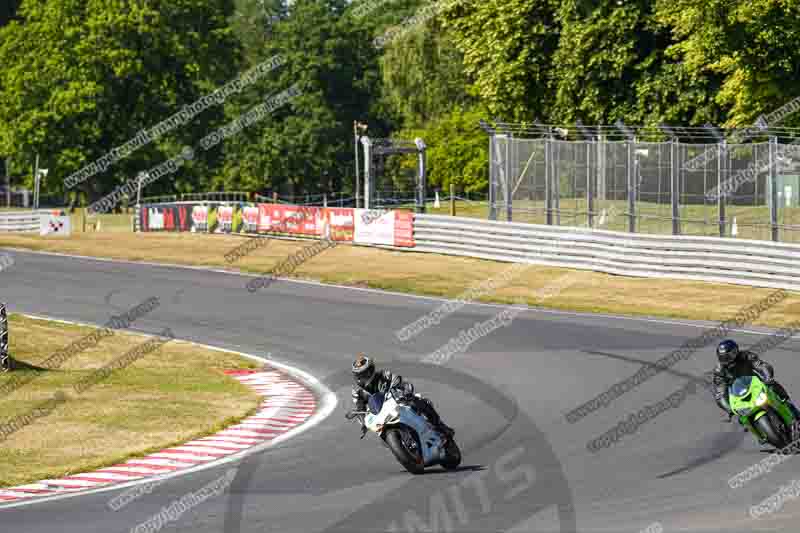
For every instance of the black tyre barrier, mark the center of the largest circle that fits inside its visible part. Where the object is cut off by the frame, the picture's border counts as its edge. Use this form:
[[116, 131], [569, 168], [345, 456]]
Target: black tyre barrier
[[5, 359]]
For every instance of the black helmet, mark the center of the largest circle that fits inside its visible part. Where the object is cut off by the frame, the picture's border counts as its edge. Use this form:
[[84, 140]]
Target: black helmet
[[727, 352], [363, 369]]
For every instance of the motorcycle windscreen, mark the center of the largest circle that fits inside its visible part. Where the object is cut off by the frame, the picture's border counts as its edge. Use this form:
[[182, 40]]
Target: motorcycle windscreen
[[375, 403], [741, 386]]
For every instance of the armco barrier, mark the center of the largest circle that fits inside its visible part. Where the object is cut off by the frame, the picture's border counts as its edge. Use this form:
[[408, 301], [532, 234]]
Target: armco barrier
[[714, 259], [20, 221], [744, 262]]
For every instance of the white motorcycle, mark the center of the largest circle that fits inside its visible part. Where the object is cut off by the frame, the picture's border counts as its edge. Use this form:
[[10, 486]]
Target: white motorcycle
[[415, 443]]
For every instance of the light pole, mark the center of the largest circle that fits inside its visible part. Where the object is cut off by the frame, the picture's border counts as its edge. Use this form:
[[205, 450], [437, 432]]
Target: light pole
[[39, 172], [8, 182], [358, 126], [36, 183], [139, 188]]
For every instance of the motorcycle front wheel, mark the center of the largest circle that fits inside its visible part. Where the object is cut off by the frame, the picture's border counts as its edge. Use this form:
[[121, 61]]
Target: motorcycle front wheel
[[405, 447], [772, 428], [453, 459]]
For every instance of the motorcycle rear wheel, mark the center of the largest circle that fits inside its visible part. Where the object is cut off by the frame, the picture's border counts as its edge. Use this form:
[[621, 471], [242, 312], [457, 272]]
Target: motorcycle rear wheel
[[396, 439], [771, 426]]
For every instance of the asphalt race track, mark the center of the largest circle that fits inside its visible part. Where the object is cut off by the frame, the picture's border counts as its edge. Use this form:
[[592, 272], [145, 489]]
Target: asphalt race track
[[525, 468]]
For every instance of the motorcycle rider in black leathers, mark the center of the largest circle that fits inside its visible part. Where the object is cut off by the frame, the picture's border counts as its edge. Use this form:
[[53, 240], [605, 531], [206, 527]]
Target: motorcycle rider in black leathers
[[368, 381], [734, 363]]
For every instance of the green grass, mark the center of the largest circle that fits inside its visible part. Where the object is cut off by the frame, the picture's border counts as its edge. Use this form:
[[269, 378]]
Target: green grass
[[167, 397]]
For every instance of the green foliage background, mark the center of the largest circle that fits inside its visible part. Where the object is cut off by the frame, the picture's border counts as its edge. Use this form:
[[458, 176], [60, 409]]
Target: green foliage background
[[80, 77]]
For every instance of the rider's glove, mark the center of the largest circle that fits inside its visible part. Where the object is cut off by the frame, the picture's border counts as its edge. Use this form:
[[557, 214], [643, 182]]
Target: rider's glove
[[363, 431]]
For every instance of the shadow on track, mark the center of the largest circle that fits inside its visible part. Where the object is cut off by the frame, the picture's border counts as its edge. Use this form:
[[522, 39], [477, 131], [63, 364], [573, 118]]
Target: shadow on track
[[721, 444]]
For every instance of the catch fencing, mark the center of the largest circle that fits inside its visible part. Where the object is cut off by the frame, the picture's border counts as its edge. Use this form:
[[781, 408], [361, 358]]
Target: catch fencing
[[660, 187]]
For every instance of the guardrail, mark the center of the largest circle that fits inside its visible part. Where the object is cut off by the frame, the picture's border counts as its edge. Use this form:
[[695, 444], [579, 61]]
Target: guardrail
[[20, 221], [714, 259], [743, 262]]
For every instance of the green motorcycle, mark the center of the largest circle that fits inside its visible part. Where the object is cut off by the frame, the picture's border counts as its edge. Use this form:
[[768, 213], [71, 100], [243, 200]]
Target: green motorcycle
[[761, 411]]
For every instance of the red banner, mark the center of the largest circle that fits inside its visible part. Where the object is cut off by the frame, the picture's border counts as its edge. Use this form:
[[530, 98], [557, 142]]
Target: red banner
[[340, 222], [404, 229], [291, 219]]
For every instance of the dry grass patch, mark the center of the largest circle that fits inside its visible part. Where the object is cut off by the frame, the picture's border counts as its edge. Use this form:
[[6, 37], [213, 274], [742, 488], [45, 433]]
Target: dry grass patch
[[432, 274], [167, 397]]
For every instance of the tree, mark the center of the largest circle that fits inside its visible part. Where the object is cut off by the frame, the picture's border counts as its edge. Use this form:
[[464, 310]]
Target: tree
[[508, 48], [81, 77], [423, 75], [750, 45], [306, 146], [605, 49]]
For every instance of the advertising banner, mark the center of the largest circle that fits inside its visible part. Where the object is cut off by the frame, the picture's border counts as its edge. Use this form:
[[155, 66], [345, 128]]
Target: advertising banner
[[339, 223], [147, 223], [290, 219], [184, 220], [404, 229], [50, 224], [199, 218], [265, 217], [250, 219], [374, 226], [166, 218], [388, 228], [301, 220], [225, 219]]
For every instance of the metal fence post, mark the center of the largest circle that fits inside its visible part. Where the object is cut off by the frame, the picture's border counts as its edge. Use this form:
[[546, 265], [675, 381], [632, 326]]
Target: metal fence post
[[492, 177], [631, 189], [507, 174], [675, 186], [556, 185], [367, 174], [721, 196], [548, 176], [773, 186], [589, 191], [422, 183]]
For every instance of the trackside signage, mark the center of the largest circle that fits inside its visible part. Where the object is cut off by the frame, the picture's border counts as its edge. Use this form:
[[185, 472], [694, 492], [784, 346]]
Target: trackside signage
[[343, 224], [390, 228]]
